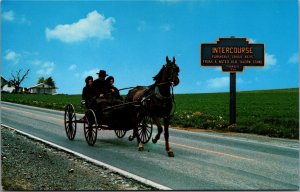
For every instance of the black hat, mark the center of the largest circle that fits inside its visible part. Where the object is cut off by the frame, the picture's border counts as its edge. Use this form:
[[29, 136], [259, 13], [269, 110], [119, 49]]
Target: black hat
[[102, 73]]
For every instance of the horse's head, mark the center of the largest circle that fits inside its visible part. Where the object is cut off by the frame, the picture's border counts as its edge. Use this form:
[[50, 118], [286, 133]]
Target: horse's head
[[168, 73]]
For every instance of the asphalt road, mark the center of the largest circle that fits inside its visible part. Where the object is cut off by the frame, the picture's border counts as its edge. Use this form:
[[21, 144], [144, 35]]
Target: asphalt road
[[203, 161]]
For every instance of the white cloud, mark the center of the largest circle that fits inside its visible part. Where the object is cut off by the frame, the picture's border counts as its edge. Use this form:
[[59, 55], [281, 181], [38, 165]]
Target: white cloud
[[94, 25], [8, 16], [72, 67], [24, 20], [165, 27], [217, 83], [252, 40], [12, 56], [240, 80], [270, 60], [142, 26], [36, 62], [47, 68], [294, 58], [92, 72], [199, 83], [28, 53]]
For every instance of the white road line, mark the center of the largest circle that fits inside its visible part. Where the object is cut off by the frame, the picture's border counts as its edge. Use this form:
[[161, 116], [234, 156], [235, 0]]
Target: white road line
[[115, 169]]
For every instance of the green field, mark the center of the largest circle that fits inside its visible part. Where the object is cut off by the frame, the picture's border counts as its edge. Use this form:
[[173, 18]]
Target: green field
[[272, 112]]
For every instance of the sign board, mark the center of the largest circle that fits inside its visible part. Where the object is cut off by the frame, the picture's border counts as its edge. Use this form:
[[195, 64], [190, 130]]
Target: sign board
[[232, 54]]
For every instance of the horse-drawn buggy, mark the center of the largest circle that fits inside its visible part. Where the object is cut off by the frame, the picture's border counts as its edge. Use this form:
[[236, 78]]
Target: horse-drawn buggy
[[120, 118], [143, 105]]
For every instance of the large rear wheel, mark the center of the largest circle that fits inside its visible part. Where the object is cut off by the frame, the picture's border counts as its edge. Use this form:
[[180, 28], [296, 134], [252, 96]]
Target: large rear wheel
[[90, 127], [70, 121]]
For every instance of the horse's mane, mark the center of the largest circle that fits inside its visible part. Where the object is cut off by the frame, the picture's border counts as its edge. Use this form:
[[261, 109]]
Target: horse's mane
[[156, 77]]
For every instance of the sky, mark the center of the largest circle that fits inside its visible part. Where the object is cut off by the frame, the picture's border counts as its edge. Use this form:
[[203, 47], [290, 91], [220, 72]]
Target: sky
[[69, 40]]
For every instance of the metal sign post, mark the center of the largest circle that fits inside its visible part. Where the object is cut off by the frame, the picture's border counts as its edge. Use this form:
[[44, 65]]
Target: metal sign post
[[232, 103], [232, 54]]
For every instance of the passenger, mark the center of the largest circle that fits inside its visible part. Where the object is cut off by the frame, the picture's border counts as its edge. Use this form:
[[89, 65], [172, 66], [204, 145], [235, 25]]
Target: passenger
[[100, 86], [111, 88], [113, 91], [101, 89], [88, 93]]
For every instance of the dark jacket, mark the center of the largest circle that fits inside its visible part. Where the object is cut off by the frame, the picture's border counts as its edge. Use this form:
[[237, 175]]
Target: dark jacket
[[89, 95], [115, 93], [100, 87]]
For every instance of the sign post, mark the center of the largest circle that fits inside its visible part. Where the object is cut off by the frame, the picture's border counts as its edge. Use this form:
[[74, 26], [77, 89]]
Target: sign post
[[232, 103], [232, 55]]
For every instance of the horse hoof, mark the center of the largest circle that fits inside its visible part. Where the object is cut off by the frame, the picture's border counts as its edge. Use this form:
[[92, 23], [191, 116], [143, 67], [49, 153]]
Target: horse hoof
[[154, 140], [130, 138], [171, 154], [141, 148]]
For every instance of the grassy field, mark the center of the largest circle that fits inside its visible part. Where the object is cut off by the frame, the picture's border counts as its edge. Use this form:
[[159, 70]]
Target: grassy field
[[272, 112]]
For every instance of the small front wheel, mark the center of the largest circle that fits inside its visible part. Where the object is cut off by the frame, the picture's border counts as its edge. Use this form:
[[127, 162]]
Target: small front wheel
[[145, 129], [120, 133], [90, 127], [70, 121]]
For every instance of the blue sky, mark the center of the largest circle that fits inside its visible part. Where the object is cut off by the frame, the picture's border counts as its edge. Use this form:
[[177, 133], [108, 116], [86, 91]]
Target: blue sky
[[69, 40]]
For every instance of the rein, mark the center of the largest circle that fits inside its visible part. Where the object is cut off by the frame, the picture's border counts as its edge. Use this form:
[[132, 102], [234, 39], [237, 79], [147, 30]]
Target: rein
[[158, 94], [159, 84]]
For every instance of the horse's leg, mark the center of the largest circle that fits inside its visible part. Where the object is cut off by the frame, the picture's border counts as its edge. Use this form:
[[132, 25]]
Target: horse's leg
[[159, 127], [140, 144], [135, 129], [134, 135], [166, 133]]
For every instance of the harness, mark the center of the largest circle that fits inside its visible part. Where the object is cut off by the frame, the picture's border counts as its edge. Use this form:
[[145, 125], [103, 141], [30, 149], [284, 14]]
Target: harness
[[158, 96]]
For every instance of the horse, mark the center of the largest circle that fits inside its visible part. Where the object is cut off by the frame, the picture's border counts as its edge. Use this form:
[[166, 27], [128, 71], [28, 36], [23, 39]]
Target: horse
[[158, 100]]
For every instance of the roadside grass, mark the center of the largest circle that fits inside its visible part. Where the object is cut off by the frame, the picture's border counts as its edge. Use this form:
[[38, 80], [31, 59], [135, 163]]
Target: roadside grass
[[273, 113]]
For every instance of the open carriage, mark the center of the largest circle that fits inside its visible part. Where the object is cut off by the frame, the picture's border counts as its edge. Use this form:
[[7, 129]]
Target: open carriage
[[120, 118]]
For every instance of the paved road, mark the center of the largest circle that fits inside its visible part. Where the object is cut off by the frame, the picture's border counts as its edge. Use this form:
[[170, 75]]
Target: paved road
[[203, 161]]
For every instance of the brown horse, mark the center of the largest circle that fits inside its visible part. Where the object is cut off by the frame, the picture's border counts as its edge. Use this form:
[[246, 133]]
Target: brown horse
[[158, 101]]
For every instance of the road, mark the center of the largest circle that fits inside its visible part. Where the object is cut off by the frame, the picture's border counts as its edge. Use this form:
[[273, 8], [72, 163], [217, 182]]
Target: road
[[203, 160]]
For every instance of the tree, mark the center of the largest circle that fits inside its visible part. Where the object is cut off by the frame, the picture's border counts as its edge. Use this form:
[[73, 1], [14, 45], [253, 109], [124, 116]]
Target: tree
[[49, 81], [41, 80], [18, 78]]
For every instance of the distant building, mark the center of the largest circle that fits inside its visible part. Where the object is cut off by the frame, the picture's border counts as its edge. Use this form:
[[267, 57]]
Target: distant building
[[6, 86], [42, 88], [3, 82]]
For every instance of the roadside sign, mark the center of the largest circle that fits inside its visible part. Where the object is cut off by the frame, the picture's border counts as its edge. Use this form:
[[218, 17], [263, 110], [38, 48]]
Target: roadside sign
[[232, 55]]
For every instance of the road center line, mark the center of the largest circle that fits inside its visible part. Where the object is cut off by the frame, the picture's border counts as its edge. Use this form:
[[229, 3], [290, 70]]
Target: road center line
[[210, 151]]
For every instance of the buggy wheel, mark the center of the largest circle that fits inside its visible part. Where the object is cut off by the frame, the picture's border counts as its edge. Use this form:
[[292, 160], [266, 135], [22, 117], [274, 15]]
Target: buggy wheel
[[90, 127], [145, 129], [120, 133], [70, 121]]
